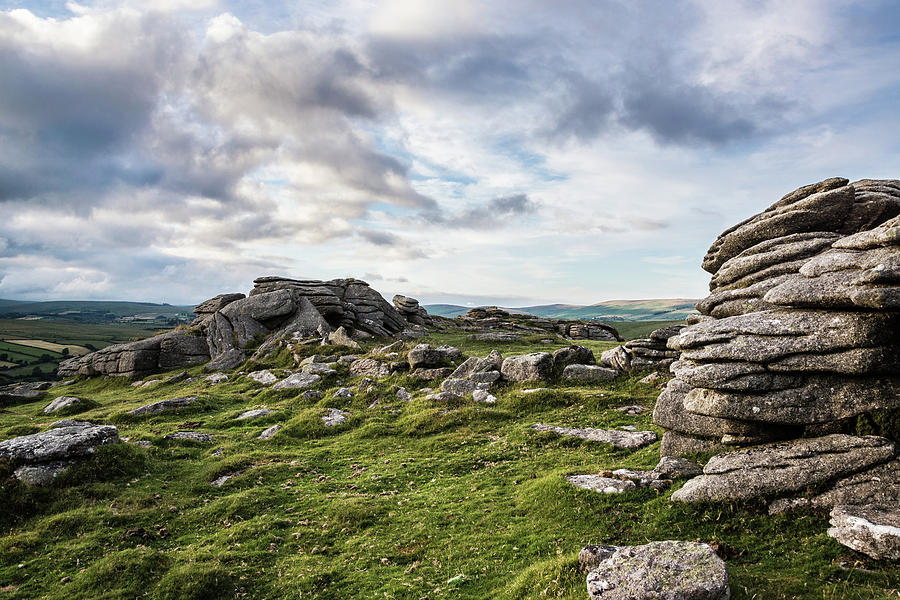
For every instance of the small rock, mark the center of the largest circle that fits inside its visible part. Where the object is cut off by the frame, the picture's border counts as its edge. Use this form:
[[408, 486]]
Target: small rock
[[189, 435], [268, 433], [183, 376], [632, 410], [403, 395], [334, 417], [220, 481], [483, 396], [591, 556], [216, 378], [318, 369], [654, 378], [873, 529], [151, 382], [70, 423], [442, 397], [253, 414], [312, 395], [369, 367], [163, 405], [63, 402], [264, 377], [599, 483], [591, 373], [343, 393], [297, 381], [618, 438], [340, 337], [535, 390]]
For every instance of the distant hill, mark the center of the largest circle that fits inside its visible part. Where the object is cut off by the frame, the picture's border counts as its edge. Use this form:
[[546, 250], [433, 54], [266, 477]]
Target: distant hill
[[671, 309], [94, 311]]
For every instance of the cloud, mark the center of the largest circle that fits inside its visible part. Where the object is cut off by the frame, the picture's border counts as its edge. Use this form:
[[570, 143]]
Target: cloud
[[497, 212]]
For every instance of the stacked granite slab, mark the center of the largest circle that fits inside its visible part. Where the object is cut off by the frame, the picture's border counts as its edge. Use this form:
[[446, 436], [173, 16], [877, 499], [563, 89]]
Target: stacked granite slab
[[643, 354], [801, 331], [411, 310]]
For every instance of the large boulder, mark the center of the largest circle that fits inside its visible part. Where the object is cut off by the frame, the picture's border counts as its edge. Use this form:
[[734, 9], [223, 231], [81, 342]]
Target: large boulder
[[39, 458], [667, 570], [528, 367], [136, 359], [423, 356]]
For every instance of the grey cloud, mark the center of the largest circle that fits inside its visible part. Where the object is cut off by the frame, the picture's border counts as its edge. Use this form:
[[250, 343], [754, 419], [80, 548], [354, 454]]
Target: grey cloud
[[496, 212], [379, 238]]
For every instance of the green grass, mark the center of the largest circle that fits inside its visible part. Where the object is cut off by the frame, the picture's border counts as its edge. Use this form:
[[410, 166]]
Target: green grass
[[406, 500], [72, 332]]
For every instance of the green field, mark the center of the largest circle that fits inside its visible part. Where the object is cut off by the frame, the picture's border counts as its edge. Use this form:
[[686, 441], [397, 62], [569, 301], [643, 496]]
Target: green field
[[612, 311], [90, 335], [406, 500]]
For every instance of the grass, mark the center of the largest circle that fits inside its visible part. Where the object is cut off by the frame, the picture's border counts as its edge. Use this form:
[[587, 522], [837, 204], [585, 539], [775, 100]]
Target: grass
[[405, 500]]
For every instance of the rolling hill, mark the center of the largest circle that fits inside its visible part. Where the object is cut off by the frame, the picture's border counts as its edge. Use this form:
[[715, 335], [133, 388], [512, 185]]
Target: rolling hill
[[670, 309]]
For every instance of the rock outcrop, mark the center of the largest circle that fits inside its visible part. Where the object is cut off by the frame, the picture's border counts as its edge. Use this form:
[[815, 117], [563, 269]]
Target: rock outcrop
[[873, 529], [277, 311], [798, 338], [643, 354], [500, 325]]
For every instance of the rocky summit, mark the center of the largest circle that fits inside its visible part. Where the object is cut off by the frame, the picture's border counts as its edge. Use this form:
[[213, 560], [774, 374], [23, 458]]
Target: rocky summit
[[798, 339]]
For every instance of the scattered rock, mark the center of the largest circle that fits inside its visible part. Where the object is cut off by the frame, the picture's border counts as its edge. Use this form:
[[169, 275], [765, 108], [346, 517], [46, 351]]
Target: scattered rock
[[496, 336], [601, 484], [61, 443], [222, 479], [312, 395], [195, 436], [591, 556], [64, 402], [528, 367], [335, 417], [179, 378], [70, 423], [297, 381], [572, 355], [268, 433], [163, 405], [616, 437], [483, 396], [535, 390], [442, 397], [318, 369], [438, 373], [256, 413], [340, 337], [423, 356], [632, 409], [654, 378], [216, 378], [667, 570], [264, 377], [342, 393], [463, 387], [369, 367], [873, 529], [403, 395], [590, 373]]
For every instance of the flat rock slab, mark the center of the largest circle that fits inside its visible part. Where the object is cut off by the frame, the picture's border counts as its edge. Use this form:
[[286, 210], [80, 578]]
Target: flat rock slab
[[633, 409], [784, 467], [268, 433], [189, 435], [22, 392], [616, 437], [877, 485], [599, 483], [163, 405], [589, 373], [256, 413], [334, 417], [42, 474], [63, 402], [660, 571], [318, 369], [70, 423], [62, 443], [298, 381], [873, 529], [264, 377], [216, 378]]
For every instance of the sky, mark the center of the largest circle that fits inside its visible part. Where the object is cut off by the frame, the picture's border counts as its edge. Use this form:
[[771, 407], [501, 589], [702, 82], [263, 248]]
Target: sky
[[509, 152]]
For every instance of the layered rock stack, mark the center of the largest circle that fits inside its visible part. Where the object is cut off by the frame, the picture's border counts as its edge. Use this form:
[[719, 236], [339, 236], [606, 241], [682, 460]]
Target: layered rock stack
[[491, 318], [643, 354], [800, 334], [228, 326], [411, 311]]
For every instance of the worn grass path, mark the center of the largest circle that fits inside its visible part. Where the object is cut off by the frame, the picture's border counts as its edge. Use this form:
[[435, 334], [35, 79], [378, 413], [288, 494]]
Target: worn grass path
[[406, 500]]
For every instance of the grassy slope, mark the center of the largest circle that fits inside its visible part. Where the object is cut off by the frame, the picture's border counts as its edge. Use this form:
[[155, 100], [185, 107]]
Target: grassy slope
[[72, 332], [119, 309], [433, 500]]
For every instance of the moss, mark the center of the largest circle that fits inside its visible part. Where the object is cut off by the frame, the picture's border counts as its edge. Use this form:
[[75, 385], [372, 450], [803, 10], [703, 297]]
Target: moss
[[195, 581], [885, 423]]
